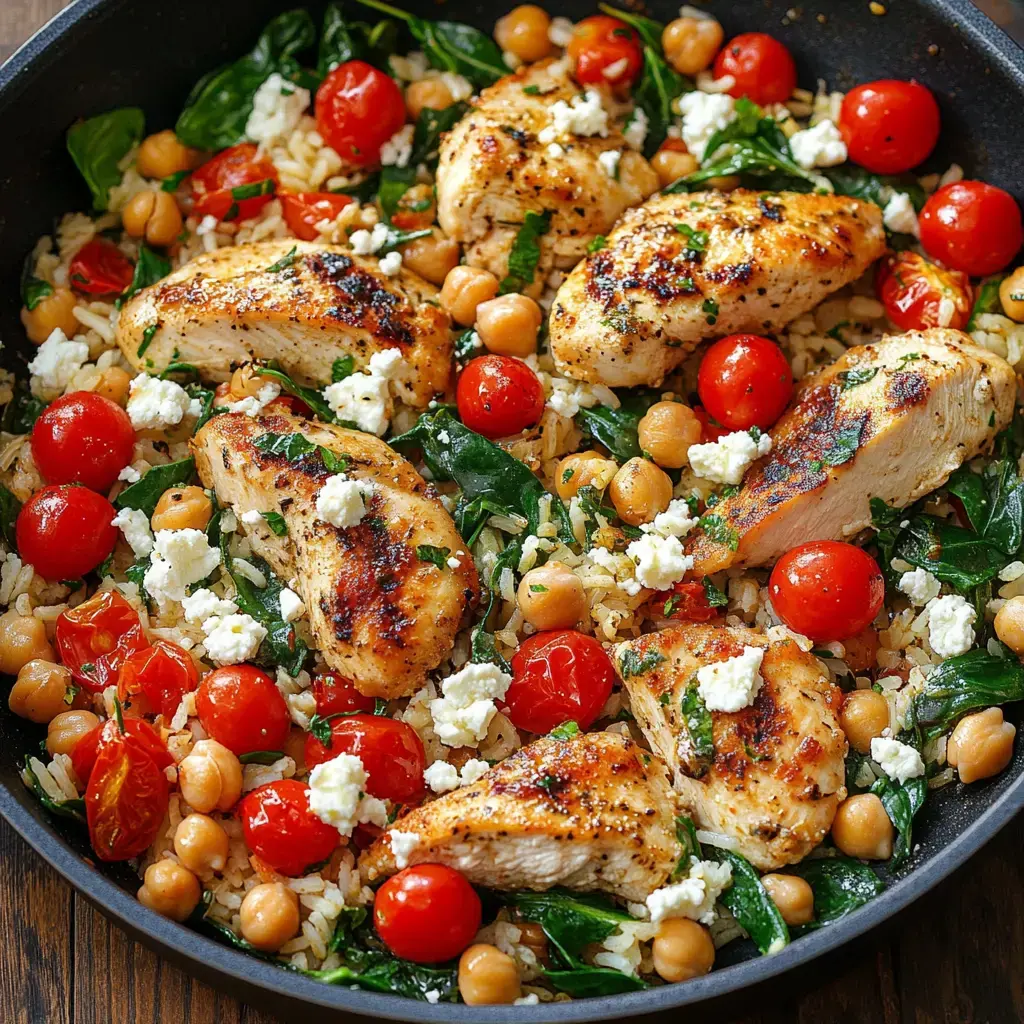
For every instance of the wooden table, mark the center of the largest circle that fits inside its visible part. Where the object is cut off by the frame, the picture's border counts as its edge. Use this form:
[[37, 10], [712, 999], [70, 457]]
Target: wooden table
[[956, 957]]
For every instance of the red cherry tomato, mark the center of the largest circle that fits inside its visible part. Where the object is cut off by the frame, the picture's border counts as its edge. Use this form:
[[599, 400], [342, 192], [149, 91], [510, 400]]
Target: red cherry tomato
[[100, 268], [304, 210], [600, 43], [358, 108], [82, 438], [912, 289], [337, 695], [391, 752], [241, 707], [86, 750], [155, 679], [889, 126], [826, 590], [763, 68], [687, 602], [282, 831], [95, 639], [428, 913], [558, 676], [709, 431], [745, 381], [971, 226], [64, 531], [235, 185], [498, 396]]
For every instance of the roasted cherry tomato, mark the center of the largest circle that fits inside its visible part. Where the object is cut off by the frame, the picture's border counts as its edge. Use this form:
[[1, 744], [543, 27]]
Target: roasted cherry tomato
[[745, 381], [972, 227], [86, 750], [282, 831], [95, 639], [914, 291], [235, 185], [558, 676], [498, 396], [127, 796], [428, 913], [605, 51], [155, 679], [241, 707], [687, 602], [762, 67], [709, 431], [304, 210], [82, 438], [100, 268], [391, 752], [358, 108], [826, 590], [337, 695], [64, 531], [889, 126]]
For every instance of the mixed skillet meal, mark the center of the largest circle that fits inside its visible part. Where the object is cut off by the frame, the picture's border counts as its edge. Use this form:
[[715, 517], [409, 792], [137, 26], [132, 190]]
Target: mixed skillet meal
[[500, 517]]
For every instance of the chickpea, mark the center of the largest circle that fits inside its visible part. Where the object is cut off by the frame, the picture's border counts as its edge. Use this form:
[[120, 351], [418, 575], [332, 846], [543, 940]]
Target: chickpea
[[154, 216], [666, 432], [792, 895], [51, 313], [639, 491], [524, 32], [66, 728], [551, 597], [245, 383], [862, 828], [691, 44], [533, 936], [270, 916], [863, 715], [682, 950], [861, 649], [584, 469], [22, 639], [671, 163], [163, 154], [210, 777], [169, 889], [114, 384], [39, 691], [1009, 624], [182, 508], [464, 289], [509, 324], [1011, 295], [981, 745], [201, 844], [488, 977], [432, 257], [428, 93]]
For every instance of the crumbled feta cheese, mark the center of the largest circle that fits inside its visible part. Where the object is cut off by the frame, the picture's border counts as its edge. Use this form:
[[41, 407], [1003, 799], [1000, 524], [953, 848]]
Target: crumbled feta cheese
[[472, 770], [1011, 572], [398, 149], [134, 524], [635, 132], [55, 364], [180, 558], [899, 215], [459, 87], [584, 116], [675, 521], [292, 607], [660, 561], [465, 709], [232, 639], [154, 404], [204, 604], [899, 761], [387, 363], [129, 475], [390, 264], [402, 845], [441, 777], [365, 243], [254, 517], [609, 160], [731, 685], [255, 404], [820, 146], [920, 586], [704, 114], [726, 460], [341, 501], [950, 625], [365, 398], [560, 31], [693, 897], [277, 108], [337, 795]]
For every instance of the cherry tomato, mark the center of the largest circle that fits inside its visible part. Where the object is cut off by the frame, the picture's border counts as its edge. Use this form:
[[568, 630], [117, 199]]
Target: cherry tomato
[[127, 796], [971, 226], [100, 268], [64, 531], [289, 403], [912, 289], [335, 694], [601, 44], [97, 637], [687, 602], [304, 210], [86, 750], [391, 752], [498, 396], [709, 431], [826, 590], [241, 707], [558, 676], [155, 679], [82, 438], [428, 913], [358, 108], [763, 68], [889, 126], [282, 831], [235, 185], [745, 381]]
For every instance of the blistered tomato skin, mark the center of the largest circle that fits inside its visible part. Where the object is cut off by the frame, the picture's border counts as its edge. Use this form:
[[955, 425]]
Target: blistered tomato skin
[[95, 638], [87, 749], [220, 187], [600, 43], [889, 126], [304, 210], [762, 67], [335, 694], [918, 294], [498, 396], [745, 381], [687, 602], [100, 268], [241, 707], [155, 679]]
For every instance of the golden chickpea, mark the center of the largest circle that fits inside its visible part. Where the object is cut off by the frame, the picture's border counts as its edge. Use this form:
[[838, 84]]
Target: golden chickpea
[[66, 728], [182, 508], [464, 289], [154, 216], [169, 889], [727, 183], [270, 916], [691, 44], [584, 469], [50, 313], [862, 828], [39, 691], [1009, 624], [793, 896], [672, 163], [666, 432], [210, 777], [639, 491], [682, 950], [524, 32], [416, 209], [114, 384], [1011, 295], [22, 639], [863, 715], [861, 649], [509, 324], [201, 844], [163, 154], [533, 936], [981, 745], [488, 977], [432, 257], [428, 93], [551, 597]]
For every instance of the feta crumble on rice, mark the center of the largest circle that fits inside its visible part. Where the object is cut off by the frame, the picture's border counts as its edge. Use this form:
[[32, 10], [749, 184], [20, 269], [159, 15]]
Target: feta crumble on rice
[[134, 524], [398, 149], [232, 639], [675, 521], [292, 607], [820, 146], [277, 108], [443, 777], [180, 558], [609, 160], [365, 398], [584, 116], [920, 586], [899, 761], [402, 846], [342, 501], [703, 114], [726, 460], [731, 685], [129, 475], [899, 215], [155, 404], [950, 625], [366, 243], [255, 404], [55, 364], [660, 561], [465, 709], [204, 604], [337, 795], [635, 132], [390, 264], [693, 897]]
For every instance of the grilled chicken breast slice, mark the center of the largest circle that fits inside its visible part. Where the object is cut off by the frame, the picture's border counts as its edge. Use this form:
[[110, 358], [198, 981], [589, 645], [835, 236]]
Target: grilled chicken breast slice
[[682, 268], [380, 615], [777, 774], [227, 307], [494, 169], [890, 420], [592, 812]]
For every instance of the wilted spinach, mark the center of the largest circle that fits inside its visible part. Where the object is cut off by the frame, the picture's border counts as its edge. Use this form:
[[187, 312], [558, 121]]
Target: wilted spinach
[[524, 255], [841, 885], [313, 398], [902, 801], [342, 41], [99, 144], [751, 905], [994, 498], [616, 429], [33, 289], [696, 746], [986, 300], [9, 509], [149, 268], [22, 411], [73, 809], [145, 493], [954, 555]]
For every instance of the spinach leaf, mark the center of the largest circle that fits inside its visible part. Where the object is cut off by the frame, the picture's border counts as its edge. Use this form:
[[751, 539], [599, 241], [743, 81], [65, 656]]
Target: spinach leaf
[[854, 378], [583, 981], [342, 41], [313, 398], [98, 145], [850, 180], [362, 191], [33, 289], [696, 739], [145, 493], [954, 555], [348, 921], [632, 664], [435, 555], [261, 756], [149, 269], [901, 802], [276, 522], [686, 833], [378, 971], [297, 446], [986, 300], [73, 809], [22, 411], [994, 499], [342, 368], [841, 885], [525, 253], [183, 368], [483, 646], [715, 597], [466, 345], [9, 509], [565, 731], [616, 429], [752, 906]]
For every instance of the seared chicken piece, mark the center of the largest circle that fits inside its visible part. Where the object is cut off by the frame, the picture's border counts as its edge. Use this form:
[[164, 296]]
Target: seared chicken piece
[[682, 268], [890, 420], [592, 812], [380, 615], [777, 774], [494, 168], [227, 307]]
